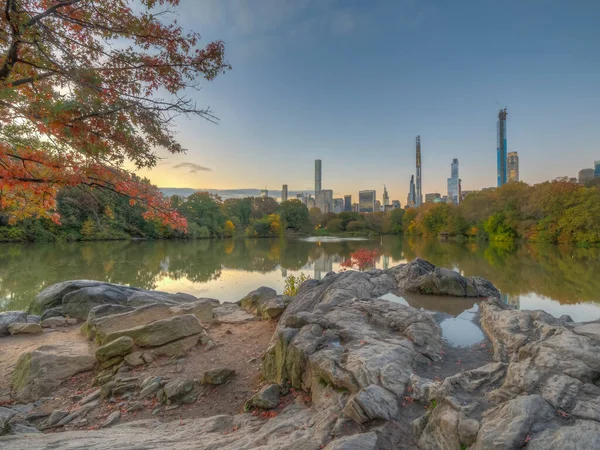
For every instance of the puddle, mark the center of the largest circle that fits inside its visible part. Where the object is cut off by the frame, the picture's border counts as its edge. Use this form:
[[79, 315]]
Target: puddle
[[394, 298], [461, 331]]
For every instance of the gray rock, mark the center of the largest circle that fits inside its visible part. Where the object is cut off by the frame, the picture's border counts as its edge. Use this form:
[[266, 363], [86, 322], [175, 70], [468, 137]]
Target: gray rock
[[134, 359], [40, 371], [372, 402], [161, 332], [255, 299], [79, 303], [67, 419], [107, 310], [9, 317], [54, 322], [232, 313], [217, 376], [273, 308], [111, 419], [52, 312], [91, 397], [24, 328], [176, 348], [33, 318], [366, 441], [150, 388], [177, 389], [17, 428], [5, 415], [267, 398], [55, 417], [119, 347]]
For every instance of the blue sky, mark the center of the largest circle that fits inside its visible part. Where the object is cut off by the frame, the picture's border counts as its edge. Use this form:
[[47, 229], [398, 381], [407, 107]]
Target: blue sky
[[353, 82]]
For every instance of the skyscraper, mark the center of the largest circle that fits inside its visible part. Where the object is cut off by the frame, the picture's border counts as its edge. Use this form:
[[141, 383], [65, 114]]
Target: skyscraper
[[347, 203], [502, 147], [264, 192], [366, 201], [419, 192], [454, 183], [317, 175], [597, 169], [284, 193], [324, 200], [585, 175], [338, 205], [386, 197], [512, 164], [410, 201]]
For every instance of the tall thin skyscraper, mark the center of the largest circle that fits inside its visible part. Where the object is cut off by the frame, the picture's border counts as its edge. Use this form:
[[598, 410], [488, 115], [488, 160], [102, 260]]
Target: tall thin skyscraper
[[512, 164], [454, 183], [386, 197], [419, 192], [347, 202], [502, 148], [284, 193], [410, 201], [317, 176]]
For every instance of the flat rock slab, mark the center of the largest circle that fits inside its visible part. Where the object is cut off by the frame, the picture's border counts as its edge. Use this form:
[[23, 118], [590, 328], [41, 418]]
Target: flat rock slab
[[40, 371], [24, 328]]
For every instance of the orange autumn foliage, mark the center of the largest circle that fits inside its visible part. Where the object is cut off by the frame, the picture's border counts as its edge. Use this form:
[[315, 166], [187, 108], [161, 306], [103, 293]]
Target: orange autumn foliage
[[79, 98]]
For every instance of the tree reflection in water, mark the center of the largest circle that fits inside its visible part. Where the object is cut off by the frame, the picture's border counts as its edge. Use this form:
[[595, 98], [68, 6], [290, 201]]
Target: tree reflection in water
[[568, 275]]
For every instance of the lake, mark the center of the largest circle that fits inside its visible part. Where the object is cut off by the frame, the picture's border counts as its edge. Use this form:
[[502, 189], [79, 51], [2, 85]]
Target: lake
[[559, 280]]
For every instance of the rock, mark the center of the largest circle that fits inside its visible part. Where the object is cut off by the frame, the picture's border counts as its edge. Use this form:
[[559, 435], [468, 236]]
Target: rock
[[150, 387], [161, 332], [111, 362], [107, 310], [121, 388], [372, 402], [53, 295], [17, 428], [267, 398], [272, 308], [103, 377], [134, 359], [148, 357], [135, 406], [118, 347], [5, 415], [255, 299], [52, 312], [33, 318], [9, 317], [217, 376], [232, 313], [24, 328], [424, 278], [111, 419], [90, 397], [176, 389], [54, 322], [40, 371], [366, 441], [107, 389], [67, 419], [175, 348], [55, 417], [79, 303]]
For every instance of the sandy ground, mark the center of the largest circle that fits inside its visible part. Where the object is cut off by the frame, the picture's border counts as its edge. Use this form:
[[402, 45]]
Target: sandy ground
[[239, 347]]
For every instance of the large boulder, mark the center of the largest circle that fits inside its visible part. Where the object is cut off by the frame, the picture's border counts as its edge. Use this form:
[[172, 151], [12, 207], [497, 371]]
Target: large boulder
[[8, 317], [160, 332], [79, 303], [254, 300], [24, 328], [40, 371], [119, 347]]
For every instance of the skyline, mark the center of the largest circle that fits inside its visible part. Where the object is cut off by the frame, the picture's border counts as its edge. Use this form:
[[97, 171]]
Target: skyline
[[296, 94]]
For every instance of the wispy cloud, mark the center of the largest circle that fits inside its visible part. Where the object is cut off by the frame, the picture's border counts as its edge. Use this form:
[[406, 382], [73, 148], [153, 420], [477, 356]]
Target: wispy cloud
[[193, 167]]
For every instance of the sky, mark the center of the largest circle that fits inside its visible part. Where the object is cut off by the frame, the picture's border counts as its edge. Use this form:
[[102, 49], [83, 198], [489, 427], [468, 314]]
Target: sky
[[353, 82]]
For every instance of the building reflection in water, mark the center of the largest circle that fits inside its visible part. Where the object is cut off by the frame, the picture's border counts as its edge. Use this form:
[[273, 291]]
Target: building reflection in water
[[513, 300]]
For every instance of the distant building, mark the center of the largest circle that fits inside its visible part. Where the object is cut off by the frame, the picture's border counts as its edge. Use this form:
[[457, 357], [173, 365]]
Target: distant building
[[585, 175], [338, 205], [463, 194], [566, 179], [355, 207], [347, 203], [310, 202], [445, 199], [317, 176], [396, 204], [386, 197], [597, 169], [454, 183], [284, 193], [410, 200], [377, 206], [418, 191], [324, 200], [512, 164], [502, 148], [430, 198], [264, 193], [366, 201]]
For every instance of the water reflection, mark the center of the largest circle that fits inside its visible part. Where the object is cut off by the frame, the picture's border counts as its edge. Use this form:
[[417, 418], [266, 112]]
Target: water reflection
[[461, 331], [561, 280]]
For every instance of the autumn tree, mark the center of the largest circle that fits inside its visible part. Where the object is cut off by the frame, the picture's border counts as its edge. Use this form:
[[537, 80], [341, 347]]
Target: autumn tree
[[87, 86]]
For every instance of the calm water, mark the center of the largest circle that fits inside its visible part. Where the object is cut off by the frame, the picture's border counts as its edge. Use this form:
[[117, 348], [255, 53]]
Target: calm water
[[556, 279]]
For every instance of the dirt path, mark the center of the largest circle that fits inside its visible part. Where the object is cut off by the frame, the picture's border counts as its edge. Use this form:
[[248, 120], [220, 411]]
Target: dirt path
[[238, 347]]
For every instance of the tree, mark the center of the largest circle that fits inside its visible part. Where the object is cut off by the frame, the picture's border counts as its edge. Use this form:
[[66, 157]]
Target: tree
[[240, 208], [263, 206], [78, 93], [294, 213], [203, 208]]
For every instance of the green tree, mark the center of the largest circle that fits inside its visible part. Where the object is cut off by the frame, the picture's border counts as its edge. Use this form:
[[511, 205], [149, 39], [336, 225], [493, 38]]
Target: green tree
[[203, 208], [294, 213]]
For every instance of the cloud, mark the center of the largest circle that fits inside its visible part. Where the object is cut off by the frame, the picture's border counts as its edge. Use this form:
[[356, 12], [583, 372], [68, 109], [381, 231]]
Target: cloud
[[193, 167]]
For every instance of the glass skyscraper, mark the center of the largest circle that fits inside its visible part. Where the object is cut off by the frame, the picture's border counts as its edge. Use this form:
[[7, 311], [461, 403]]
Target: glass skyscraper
[[502, 148], [366, 201], [454, 183]]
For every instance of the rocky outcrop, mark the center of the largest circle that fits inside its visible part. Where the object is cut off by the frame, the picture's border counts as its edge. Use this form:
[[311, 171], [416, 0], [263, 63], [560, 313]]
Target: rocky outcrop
[[24, 328], [78, 298], [17, 320], [40, 371], [254, 300]]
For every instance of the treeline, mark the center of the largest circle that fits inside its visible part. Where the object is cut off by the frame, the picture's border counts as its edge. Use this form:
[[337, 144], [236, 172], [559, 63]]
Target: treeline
[[550, 212]]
